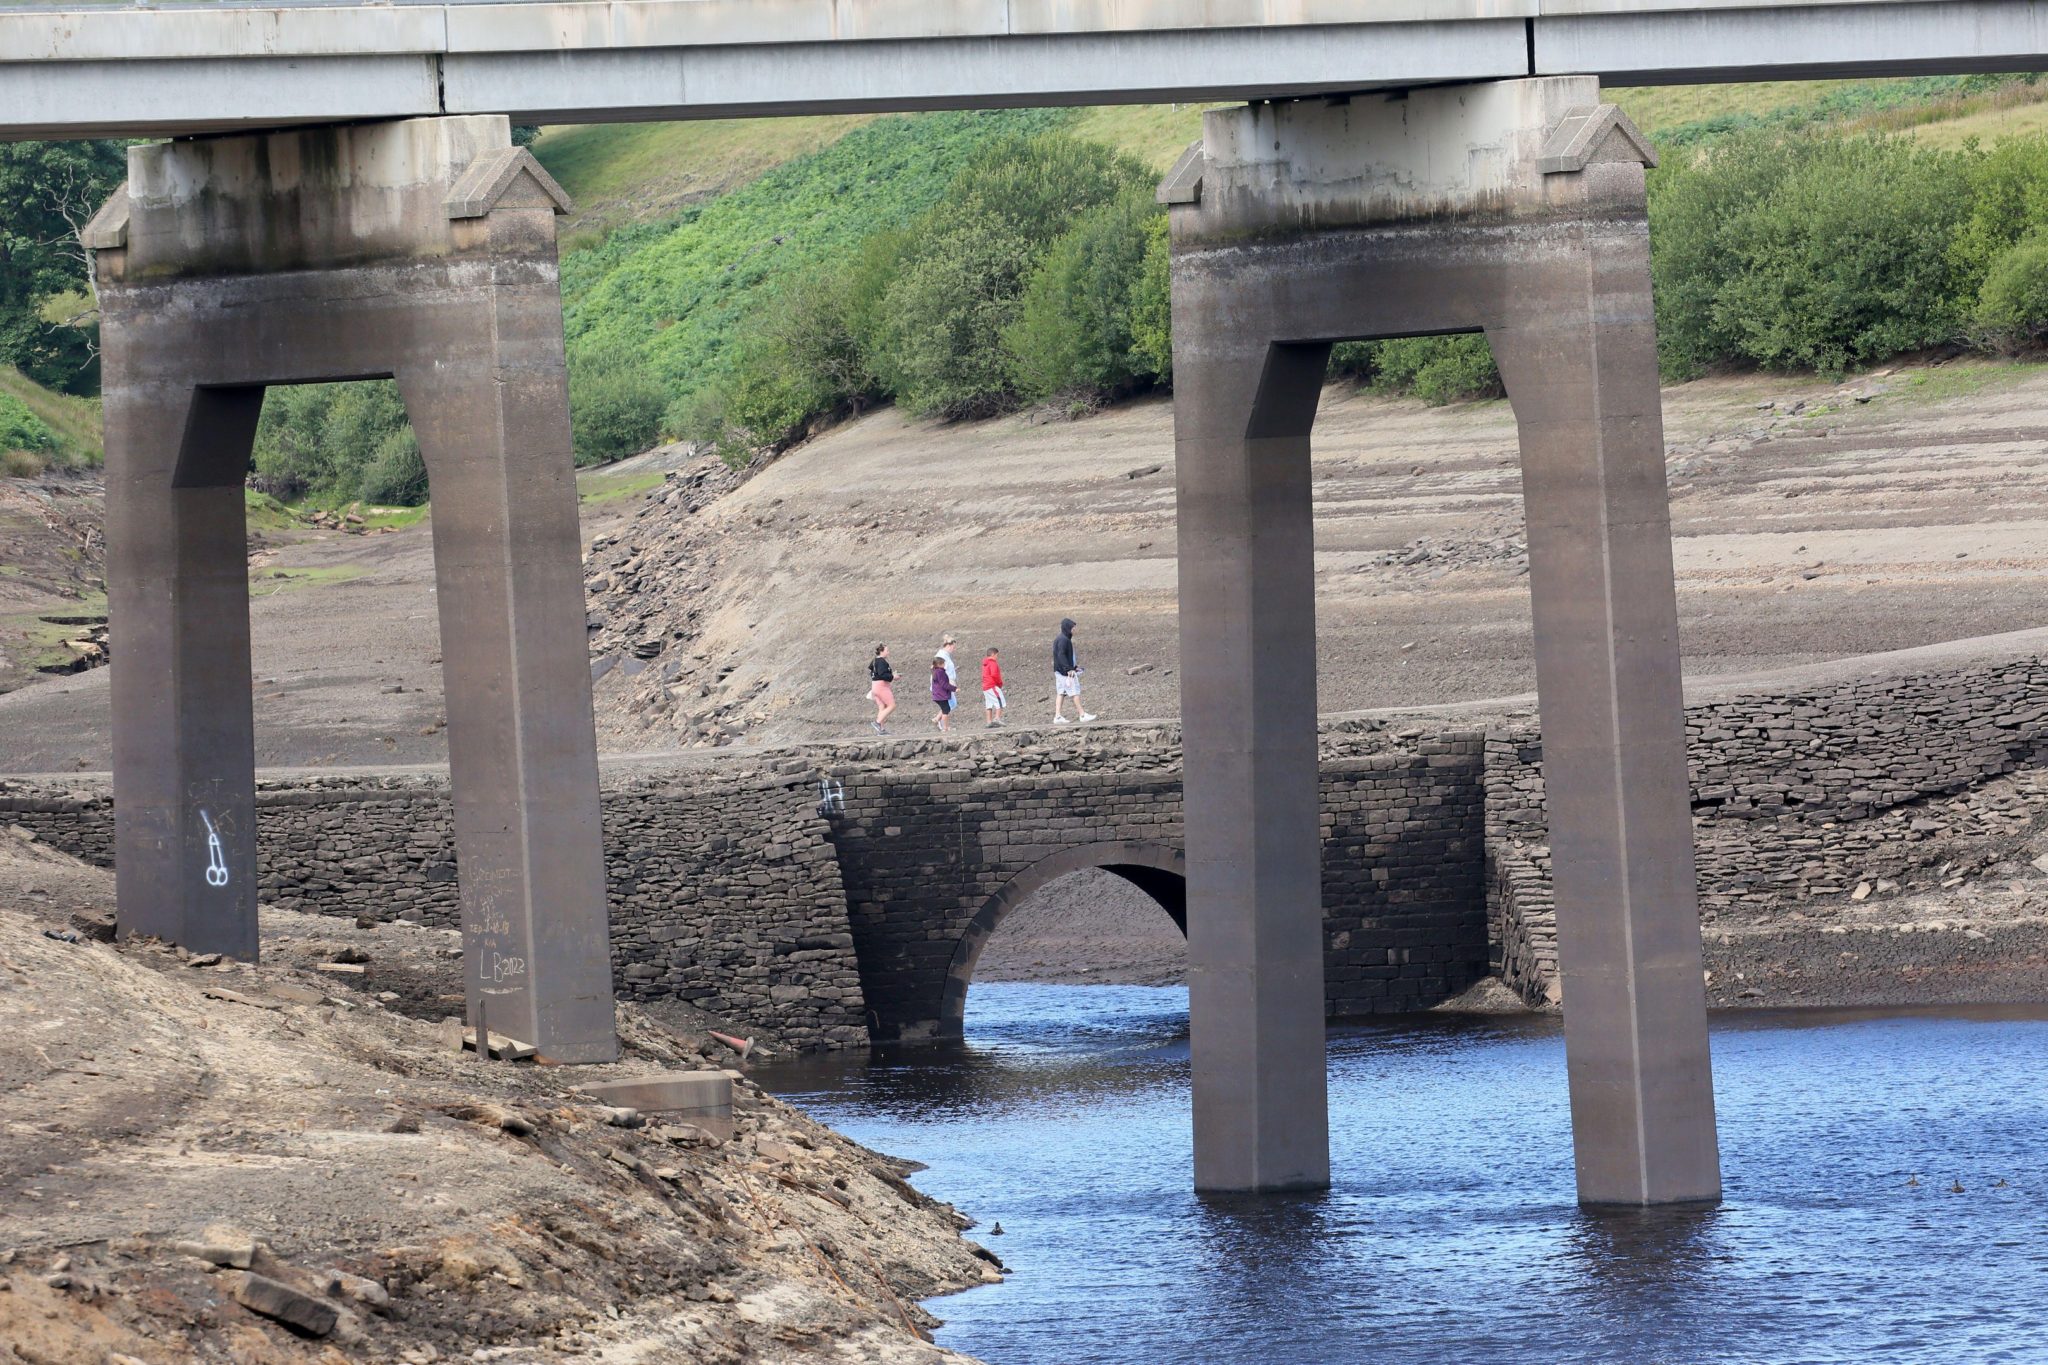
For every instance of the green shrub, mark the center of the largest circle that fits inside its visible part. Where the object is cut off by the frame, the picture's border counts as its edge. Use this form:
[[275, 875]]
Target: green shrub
[[1437, 370], [936, 337], [23, 431], [679, 292], [615, 404], [2012, 305], [799, 360], [321, 441], [1353, 360], [1076, 327], [396, 476], [937, 344], [1806, 253], [1152, 303], [2007, 189]]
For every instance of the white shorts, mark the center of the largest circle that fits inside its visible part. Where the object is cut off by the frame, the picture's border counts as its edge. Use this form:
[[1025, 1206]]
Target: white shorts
[[992, 699], [1066, 684]]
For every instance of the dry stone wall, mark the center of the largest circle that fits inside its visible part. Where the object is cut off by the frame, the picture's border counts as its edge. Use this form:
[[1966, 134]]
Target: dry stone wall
[[733, 890], [1800, 797], [929, 852], [725, 891]]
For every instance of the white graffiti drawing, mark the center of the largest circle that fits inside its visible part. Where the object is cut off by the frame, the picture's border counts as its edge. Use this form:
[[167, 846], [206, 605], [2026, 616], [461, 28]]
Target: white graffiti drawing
[[504, 968], [216, 860]]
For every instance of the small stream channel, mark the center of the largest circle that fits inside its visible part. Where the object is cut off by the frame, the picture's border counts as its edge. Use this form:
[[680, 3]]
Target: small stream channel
[[1451, 1233]]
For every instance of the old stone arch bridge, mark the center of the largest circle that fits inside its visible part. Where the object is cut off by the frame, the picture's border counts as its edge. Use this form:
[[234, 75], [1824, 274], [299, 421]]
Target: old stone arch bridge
[[734, 884], [933, 861], [845, 896], [1160, 870]]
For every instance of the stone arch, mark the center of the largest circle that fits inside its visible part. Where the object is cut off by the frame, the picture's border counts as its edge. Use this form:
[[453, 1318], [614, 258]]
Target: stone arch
[[1159, 870]]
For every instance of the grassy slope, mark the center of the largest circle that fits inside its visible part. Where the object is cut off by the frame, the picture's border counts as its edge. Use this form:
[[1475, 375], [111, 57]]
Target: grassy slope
[[1942, 110], [622, 173], [675, 292], [76, 421], [801, 191]]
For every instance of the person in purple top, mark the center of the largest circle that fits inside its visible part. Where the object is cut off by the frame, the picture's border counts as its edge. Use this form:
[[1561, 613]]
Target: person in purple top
[[942, 692]]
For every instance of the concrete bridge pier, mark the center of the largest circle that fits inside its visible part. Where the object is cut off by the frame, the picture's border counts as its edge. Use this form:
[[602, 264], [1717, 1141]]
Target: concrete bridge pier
[[1514, 208], [422, 250]]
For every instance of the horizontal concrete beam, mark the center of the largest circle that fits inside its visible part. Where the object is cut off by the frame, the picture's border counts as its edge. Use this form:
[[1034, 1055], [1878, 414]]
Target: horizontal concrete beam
[[145, 71], [1649, 45], [164, 99], [955, 73]]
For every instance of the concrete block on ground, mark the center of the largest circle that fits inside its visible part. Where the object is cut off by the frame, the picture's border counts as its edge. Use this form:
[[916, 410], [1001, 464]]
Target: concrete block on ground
[[706, 1092]]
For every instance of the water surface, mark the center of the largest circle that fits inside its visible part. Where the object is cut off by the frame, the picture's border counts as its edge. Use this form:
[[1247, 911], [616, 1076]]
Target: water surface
[[1451, 1232]]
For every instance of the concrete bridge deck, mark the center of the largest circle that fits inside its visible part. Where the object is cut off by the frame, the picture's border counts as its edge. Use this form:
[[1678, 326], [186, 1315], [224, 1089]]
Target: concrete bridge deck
[[71, 70]]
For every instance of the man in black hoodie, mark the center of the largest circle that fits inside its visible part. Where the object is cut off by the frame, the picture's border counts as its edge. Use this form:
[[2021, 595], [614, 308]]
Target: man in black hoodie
[[1066, 675]]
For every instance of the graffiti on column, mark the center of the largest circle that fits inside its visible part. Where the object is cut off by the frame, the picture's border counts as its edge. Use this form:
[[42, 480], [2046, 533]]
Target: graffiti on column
[[216, 860]]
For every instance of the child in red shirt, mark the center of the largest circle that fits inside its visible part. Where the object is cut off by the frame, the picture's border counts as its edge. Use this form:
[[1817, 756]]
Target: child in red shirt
[[992, 700]]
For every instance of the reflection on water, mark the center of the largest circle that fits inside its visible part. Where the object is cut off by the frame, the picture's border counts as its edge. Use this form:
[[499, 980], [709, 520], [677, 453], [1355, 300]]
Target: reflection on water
[[1451, 1232]]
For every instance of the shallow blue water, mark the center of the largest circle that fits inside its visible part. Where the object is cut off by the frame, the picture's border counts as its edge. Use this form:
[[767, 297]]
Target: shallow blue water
[[1451, 1232]]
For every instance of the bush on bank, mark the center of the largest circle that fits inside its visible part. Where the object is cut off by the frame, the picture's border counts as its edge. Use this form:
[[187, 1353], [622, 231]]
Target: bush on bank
[[336, 443], [1814, 253], [1018, 283], [26, 442]]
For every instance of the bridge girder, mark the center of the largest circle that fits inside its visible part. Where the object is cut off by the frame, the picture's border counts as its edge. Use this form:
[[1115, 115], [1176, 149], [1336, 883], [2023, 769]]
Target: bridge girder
[[135, 70]]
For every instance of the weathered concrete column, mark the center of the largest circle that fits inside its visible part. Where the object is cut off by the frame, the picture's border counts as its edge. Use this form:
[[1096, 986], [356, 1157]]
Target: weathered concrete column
[[178, 594], [1578, 349], [1248, 714], [493, 425], [425, 250], [1515, 208]]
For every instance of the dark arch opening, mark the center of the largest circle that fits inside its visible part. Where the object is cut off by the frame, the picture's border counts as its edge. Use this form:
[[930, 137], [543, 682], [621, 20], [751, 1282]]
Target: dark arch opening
[[1158, 870]]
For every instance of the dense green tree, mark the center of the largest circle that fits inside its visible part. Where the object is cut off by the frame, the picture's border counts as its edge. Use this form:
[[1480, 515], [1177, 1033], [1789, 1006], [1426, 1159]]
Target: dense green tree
[[1152, 302], [1075, 331], [1816, 252], [48, 191], [1437, 370], [339, 443], [936, 340], [2012, 303]]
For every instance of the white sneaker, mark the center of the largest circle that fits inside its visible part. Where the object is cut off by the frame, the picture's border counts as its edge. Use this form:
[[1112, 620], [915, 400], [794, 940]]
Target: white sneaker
[[1086, 717], [1061, 720]]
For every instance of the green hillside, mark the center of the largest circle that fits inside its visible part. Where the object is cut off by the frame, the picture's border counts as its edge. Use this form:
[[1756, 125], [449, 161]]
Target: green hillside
[[671, 294], [622, 173], [72, 424], [696, 243]]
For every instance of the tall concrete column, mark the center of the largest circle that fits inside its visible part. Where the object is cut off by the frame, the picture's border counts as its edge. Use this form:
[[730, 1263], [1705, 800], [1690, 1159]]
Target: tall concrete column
[[1248, 716], [1514, 208], [492, 420], [425, 250], [1578, 349], [178, 602]]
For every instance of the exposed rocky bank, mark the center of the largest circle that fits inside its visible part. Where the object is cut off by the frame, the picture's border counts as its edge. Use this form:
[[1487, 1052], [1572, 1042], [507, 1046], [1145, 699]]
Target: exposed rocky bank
[[209, 1162]]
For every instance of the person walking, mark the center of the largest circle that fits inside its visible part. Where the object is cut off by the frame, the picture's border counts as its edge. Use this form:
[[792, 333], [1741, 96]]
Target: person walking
[[952, 673], [882, 688], [942, 693], [1066, 676], [992, 700]]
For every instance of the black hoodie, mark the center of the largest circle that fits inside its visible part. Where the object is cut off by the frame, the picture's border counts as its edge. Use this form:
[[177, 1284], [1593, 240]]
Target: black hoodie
[[1063, 649]]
